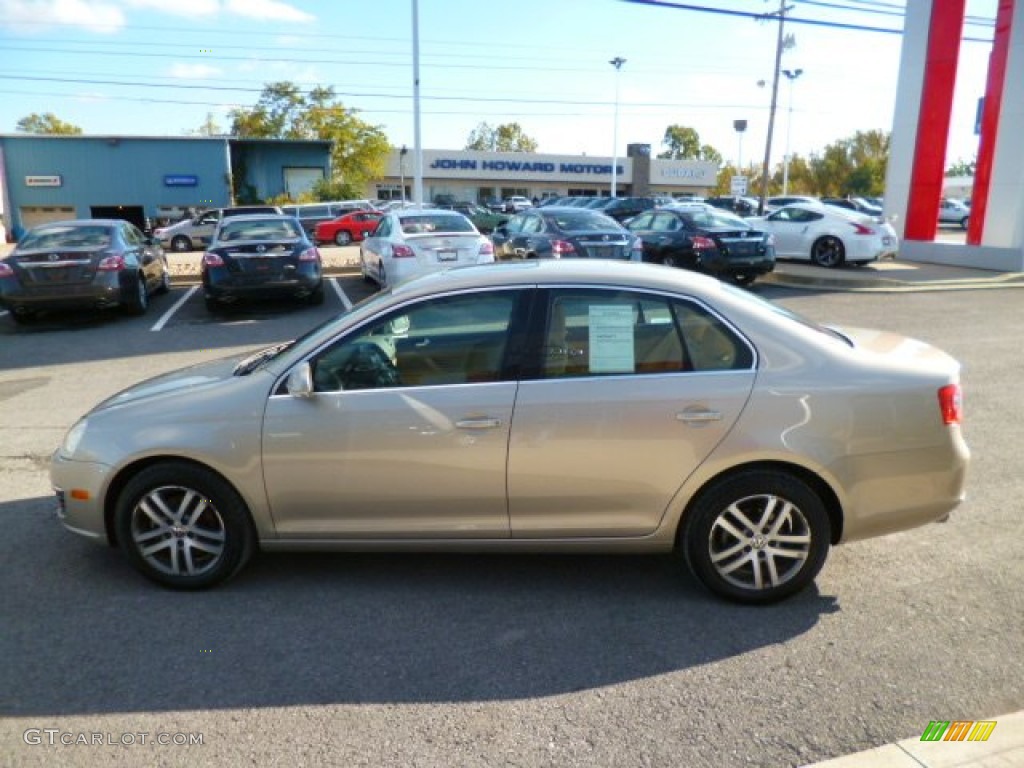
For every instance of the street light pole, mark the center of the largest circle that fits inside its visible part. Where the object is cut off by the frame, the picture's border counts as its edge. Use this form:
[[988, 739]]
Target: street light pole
[[791, 75], [617, 62], [401, 168]]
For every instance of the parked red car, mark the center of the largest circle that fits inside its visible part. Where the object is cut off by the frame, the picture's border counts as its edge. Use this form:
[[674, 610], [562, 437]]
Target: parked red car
[[345, 229]]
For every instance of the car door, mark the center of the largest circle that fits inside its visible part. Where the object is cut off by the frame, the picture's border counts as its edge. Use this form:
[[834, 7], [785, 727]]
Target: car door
[[632, 391], [406, 434], [791, 227]]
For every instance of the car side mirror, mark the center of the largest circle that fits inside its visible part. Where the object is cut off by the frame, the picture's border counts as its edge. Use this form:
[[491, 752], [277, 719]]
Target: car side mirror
[[300, 381]]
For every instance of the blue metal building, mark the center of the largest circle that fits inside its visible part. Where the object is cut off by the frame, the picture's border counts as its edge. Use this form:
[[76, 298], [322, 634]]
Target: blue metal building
[[47, 178]]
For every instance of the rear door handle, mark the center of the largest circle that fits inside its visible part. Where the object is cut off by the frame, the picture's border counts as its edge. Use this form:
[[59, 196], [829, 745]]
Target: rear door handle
[[478, 424], [698, 417]]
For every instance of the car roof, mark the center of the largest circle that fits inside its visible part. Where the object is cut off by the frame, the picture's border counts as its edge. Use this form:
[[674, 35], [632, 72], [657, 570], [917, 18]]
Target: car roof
[[83, 222]]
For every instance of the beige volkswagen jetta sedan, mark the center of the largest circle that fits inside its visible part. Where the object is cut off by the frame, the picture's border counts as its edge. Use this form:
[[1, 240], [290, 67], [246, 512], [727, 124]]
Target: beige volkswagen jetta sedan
[[569, 406]]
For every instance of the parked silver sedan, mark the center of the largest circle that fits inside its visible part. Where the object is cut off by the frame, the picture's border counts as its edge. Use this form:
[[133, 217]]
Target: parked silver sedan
[[575, 406], [414, 242]]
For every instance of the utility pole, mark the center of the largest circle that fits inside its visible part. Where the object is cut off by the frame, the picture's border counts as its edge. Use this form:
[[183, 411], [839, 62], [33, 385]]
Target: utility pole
[[781, 13]]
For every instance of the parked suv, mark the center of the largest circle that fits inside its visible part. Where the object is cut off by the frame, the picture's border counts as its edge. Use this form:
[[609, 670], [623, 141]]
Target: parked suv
[[191, 234]]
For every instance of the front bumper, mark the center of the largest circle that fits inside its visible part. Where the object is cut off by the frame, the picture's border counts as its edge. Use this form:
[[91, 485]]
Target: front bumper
[[79, 488]]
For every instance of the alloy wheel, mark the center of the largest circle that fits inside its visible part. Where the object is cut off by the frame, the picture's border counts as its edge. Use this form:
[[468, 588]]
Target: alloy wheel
[[177, 531]]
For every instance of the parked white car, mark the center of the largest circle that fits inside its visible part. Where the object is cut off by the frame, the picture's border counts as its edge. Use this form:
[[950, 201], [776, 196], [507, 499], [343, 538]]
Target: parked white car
[[409, 243], [953, 211], [827, 235]]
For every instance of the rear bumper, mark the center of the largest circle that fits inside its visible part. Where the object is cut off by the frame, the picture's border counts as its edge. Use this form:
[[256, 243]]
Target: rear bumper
[[218, 284], [106, 293]]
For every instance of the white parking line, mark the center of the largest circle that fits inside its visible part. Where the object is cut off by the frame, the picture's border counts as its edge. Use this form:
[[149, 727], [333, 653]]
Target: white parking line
[[341, 294], [159, 324]]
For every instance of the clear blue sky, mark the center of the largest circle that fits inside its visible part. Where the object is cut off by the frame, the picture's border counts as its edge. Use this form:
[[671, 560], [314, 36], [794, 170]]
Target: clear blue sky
[[157, 67]]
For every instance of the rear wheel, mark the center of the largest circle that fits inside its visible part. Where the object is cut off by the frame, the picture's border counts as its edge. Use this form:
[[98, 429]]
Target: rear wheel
[[22, 318], [183, 526], [670, 261], [342, 238], [136, 296], [212, 305], [828, 252], [743, 279], [964, 222], [181, 244], [757, 537], [317, 296]]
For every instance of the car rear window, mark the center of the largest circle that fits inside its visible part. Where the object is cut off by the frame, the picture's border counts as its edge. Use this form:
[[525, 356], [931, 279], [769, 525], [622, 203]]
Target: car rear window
[[579, 221], [89, 236], [428, 224], [261, 229]]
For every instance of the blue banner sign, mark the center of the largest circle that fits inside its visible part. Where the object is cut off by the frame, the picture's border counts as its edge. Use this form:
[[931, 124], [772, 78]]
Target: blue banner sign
[[180, 180]]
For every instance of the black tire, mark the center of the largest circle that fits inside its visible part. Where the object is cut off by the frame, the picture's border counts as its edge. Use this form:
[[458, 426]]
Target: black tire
[[136, 295], [669, 260], [181, 244], [22, 318], [316, 298], [165, 281], [382, 278], [744, 279], [828, 251], [732, 556], [183, 526], [965, 221], [212, 305], [342, 238]]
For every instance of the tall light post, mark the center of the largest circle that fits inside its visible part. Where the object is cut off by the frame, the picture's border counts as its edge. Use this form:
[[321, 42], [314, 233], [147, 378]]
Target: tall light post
[[617, 62], [791, 75], [401, 168]]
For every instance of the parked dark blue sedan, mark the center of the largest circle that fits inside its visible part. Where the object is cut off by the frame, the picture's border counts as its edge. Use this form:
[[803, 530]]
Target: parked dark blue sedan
[[261, 256]]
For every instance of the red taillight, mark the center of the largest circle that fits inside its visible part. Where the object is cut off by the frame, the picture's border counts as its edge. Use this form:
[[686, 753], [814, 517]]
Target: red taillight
[[5, 269], [111, 263], [487, 249], [212, 260], [310, 254], [402, 252], [860, 229], [701, 243], [560, 248], [951, 403]]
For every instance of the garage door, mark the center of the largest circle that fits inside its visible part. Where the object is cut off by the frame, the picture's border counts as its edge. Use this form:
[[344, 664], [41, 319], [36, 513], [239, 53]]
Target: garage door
[[33, 216], [299, 180]]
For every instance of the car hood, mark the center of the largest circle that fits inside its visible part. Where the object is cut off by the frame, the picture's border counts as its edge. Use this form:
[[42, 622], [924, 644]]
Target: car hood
[[192, 379]]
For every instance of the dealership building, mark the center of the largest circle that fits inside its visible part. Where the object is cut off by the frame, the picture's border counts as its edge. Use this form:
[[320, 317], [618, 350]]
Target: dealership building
[[482, 176], [48, 178]]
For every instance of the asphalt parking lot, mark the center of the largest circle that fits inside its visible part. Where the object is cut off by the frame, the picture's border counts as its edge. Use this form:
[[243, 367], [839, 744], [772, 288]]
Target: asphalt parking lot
[[431, 660]]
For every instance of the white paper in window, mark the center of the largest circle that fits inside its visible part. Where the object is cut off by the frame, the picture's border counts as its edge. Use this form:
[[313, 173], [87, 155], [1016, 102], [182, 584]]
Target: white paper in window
[[611, 338]]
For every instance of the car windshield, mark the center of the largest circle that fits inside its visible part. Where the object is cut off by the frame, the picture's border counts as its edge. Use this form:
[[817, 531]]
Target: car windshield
[[260, 229], [579, 221], [712, 217], [429, 224], [54, 238]]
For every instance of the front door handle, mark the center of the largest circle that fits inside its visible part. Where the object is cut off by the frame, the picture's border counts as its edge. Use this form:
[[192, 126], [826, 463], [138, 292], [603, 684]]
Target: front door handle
[[478, 424]]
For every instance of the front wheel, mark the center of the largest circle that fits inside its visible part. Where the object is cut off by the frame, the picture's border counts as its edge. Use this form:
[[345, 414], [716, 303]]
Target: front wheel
[[828, 252], [757, 537], [964, 222], [181, 244], [183, 526]]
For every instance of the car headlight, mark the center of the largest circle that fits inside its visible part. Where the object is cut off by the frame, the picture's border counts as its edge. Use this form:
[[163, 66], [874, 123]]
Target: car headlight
[[73, 438]]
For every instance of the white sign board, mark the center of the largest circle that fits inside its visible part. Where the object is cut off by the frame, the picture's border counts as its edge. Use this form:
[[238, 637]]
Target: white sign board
[[43, 181], [738, 185]]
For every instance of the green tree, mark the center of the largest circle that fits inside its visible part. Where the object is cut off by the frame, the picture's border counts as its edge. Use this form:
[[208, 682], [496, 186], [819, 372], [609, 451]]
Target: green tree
[[508, 137], [283, 111], [962, 168], [47, 123], [851, 166], [683, 143]]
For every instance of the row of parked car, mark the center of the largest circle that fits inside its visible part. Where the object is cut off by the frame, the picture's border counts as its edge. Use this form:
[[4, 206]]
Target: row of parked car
[[263, 251]]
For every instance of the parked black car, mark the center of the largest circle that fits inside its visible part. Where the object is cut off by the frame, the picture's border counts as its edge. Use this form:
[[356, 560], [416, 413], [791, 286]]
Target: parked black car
[[261, 256], [705, 239], [740, 205], [83, 263], [558, 232], [858, 204]]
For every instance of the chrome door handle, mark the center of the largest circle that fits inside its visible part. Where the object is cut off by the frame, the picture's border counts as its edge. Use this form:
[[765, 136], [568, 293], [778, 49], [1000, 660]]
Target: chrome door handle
[[478, 424], [698, 417]]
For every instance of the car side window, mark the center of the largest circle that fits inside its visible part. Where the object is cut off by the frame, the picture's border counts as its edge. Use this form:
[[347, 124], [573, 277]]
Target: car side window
[[383, 229], [515, 225], [442, 341], [592, 332], [532, 225]]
